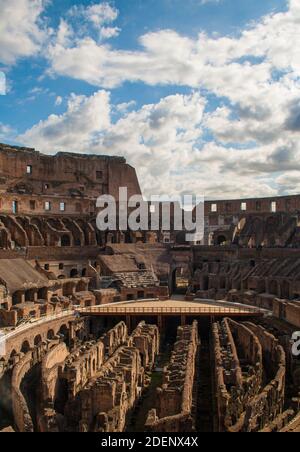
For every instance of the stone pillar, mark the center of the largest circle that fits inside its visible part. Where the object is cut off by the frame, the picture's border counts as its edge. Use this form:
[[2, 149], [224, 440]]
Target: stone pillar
[[160, 323], [128, 323], [183, 320]]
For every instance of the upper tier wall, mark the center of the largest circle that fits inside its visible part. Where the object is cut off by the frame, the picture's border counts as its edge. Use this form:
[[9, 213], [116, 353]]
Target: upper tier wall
[[27, 172]]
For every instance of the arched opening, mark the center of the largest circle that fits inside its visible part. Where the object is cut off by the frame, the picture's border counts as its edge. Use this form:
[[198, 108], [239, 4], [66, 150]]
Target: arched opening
[[30, 295], [84, 272], [81, 286], [205, 282], [38, 340], [68, 289], [74, 273], [221, 240], [13, 354], [64, 333], [18, 298], [42, 293], [180, 280], [65, 240], [285, 290], [222, 282], [25, 347], [6, 410], [50, 335], [273, 288]]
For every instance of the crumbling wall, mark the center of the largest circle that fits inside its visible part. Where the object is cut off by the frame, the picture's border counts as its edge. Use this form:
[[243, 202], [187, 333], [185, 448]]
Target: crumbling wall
[[245, 354], [173, 411], [106, 401], [114, 338], [51, 364], [146, 339], [82, 365], [105, 379], [21, 413], [288, 311], [269, 404]]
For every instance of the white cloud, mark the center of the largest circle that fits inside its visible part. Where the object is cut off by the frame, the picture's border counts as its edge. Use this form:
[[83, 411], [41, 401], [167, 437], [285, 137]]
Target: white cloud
[[97, 14], [21, 31], [169, 58], [87, 20], [2, 84], [155, 139], [76, 128], [58, 101], [165, 143], [254, 132], [101, 13], [109, 32], [5, 132], [125, 106], [204, 2]]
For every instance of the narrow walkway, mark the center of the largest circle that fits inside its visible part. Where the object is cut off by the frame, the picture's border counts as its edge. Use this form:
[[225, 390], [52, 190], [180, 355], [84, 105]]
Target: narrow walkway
[[138, 418], [205, 417]]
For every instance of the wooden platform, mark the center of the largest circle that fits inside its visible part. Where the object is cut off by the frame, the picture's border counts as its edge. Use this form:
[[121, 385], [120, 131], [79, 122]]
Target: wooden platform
[[174, 307]]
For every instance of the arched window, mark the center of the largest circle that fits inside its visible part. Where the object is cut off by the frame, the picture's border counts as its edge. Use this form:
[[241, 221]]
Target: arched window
[[65, 240]]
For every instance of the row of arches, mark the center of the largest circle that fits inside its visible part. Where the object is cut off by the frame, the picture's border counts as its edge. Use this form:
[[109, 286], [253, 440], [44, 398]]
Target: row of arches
[[62, 332]]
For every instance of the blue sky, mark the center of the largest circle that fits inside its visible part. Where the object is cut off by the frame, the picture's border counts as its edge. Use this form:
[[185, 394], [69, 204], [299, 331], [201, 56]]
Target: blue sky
[[200, 96]]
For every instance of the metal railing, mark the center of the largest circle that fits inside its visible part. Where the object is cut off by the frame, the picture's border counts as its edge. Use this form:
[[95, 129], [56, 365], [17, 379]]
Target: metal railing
[[170, 310], [36, 322]]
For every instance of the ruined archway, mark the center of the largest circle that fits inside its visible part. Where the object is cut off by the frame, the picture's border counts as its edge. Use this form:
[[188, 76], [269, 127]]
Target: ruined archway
[[285, 290], [221, 240], [50, 335], [64, 333], [74, 273], [180, 280], [65, 241], [273, 288], [38, 340], [25, 348]]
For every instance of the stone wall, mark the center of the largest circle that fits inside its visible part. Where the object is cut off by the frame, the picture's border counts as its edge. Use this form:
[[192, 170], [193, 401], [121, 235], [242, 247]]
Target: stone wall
[[51, 364], [22, 418], [238, 371], [173, 412], [107, 397], [269, 404], [253, 222], [244, 354], [146, 339], [288, 311], [26, 362], [106, 402]]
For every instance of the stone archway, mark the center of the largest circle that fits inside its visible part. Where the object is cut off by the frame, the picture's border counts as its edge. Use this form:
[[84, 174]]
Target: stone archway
[[25, 348], [64, 333], [65, 241], [221, 240], [180, 280], [50, 335], [38, 340], [74, 273], [273, 288]]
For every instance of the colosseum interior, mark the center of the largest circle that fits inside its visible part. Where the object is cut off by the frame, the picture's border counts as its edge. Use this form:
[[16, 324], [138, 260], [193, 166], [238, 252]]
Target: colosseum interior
[[142, 332]]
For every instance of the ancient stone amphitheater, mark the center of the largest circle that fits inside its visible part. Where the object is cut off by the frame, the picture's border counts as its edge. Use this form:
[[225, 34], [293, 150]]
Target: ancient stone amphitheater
[[142, 332]]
